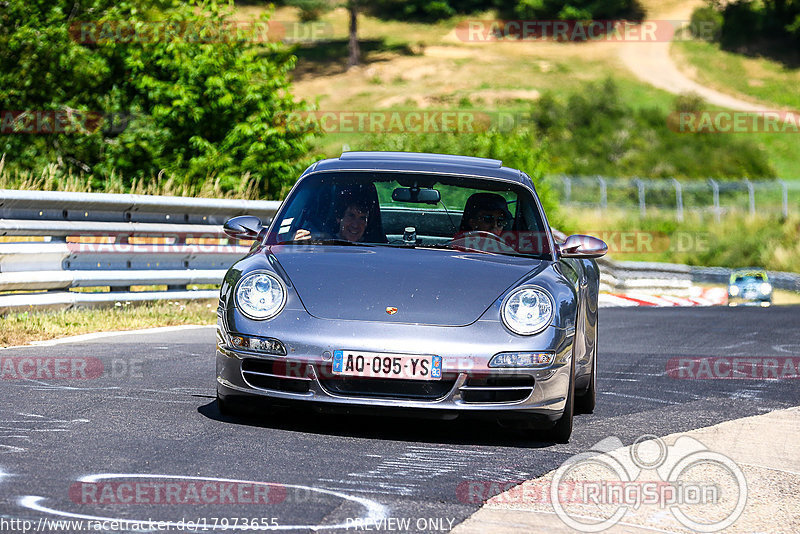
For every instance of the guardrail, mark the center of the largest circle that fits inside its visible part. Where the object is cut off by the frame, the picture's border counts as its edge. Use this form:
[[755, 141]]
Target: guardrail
[[94, 240], [97, 240]]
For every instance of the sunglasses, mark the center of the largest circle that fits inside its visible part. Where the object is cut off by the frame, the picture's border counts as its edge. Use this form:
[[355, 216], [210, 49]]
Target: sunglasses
[[491, 219]]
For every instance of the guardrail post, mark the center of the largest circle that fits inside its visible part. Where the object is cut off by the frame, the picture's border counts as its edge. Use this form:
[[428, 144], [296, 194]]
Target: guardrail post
[[678, 200], [642, 205], [603, 192], [567, 188], [715, 189], [751, 191], [785, 199]]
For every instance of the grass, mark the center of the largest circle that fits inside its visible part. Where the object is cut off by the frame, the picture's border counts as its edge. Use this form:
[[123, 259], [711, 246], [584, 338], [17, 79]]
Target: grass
[[736, 241], [759, 80], [53, 178], [411, 66], [754, 78], [22, 328]]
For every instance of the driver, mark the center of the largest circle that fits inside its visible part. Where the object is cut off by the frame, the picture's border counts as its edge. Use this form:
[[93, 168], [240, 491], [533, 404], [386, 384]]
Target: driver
[[485, 212]]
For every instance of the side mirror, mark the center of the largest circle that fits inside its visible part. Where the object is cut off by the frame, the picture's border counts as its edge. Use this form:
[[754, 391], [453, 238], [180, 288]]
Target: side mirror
[[582, 246], [242, 227]]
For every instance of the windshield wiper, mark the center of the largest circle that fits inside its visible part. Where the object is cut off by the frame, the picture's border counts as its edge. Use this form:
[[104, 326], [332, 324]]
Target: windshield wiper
[[447, 246]]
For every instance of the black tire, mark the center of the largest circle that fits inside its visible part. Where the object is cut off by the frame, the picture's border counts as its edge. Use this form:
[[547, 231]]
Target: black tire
[[586, 401], [562, 430], [224, 407]]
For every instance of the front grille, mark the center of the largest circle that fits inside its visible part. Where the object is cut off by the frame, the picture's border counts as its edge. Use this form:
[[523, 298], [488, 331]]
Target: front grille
[[290, 377], [497, 389], [388, 388]]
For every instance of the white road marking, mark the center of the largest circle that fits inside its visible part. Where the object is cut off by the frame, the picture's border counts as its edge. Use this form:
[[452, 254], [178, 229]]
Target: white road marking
[[375, 511], [615, 394]]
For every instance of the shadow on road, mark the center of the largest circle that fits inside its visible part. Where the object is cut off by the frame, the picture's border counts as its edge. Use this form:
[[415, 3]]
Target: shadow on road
[[391, 427]]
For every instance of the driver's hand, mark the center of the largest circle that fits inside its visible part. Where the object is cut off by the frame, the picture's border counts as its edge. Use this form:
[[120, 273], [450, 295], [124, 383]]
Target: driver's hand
[[301, 235]]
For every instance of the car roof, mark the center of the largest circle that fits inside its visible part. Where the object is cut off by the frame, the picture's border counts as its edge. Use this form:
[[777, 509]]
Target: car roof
[[422, 162]]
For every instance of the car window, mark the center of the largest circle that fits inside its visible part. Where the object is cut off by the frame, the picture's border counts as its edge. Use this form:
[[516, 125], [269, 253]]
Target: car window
[[454, 212]]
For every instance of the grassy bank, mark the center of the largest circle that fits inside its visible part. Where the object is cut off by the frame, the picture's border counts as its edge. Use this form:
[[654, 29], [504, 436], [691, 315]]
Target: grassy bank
[[736, 241], [22, 328]]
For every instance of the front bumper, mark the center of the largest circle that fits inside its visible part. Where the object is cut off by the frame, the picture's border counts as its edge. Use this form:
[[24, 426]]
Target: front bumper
[[468, 385]]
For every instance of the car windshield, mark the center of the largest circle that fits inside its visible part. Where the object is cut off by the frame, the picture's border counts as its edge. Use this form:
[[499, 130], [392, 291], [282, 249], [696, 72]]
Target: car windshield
[[412, 210], [750, 278]]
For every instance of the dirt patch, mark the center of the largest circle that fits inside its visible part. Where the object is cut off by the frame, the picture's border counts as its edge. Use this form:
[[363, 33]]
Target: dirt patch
[[493, 97]]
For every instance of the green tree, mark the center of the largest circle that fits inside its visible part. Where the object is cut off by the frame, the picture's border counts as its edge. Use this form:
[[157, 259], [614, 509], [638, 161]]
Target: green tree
[[205, 102]]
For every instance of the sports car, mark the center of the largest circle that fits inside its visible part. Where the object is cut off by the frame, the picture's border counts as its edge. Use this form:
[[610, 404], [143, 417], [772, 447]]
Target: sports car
[[749, 287], [421, 284]]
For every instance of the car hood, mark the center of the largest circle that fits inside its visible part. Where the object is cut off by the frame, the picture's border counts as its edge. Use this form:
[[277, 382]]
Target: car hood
[[433, 287]]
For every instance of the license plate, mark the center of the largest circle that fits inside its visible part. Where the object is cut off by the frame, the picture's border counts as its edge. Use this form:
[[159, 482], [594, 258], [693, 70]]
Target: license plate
[[384, 365]]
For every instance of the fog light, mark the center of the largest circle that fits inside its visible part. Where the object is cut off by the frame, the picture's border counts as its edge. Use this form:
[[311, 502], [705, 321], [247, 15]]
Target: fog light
[[522, 359], [258, 344]]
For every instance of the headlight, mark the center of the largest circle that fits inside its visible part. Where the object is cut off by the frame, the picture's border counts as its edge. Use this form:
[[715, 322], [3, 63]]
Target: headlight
[[765, 288], [260, 295], [527, 311], [733, 291]]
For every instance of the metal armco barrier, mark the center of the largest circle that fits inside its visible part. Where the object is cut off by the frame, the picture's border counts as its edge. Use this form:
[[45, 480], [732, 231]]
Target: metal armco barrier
[[63, 261], [41, 273]]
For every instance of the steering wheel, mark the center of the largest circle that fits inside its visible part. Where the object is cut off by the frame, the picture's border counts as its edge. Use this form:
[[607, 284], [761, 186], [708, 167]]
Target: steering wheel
[[482, 241]]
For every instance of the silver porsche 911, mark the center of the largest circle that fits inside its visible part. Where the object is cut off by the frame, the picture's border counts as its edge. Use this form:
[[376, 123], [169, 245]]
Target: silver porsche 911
[[421, 283]]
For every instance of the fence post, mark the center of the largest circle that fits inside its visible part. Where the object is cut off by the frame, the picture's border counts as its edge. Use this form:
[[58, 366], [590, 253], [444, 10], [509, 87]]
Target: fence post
[[567, 188], [678, 199], [752, 193], [603, 192], [642, 205], [715, 189], [785, 203]]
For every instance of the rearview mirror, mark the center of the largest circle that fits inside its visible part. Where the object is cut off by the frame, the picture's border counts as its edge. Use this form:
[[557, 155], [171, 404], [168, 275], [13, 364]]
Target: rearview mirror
[[242, 227], [582, 246], [416, 195]]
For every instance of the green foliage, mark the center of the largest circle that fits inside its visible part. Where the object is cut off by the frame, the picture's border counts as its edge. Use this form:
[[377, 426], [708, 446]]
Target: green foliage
[[519, 149], [572, 10], [706, 23], [737, 241], [770, 27], [197, 104], [596, 132], [425, 10]]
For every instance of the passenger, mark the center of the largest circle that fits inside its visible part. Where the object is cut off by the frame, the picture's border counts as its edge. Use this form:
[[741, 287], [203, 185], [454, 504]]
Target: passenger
[[485, 212], [354, 213]]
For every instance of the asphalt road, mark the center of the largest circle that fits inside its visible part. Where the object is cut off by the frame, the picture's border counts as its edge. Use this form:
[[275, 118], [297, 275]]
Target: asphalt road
[[147, 416]]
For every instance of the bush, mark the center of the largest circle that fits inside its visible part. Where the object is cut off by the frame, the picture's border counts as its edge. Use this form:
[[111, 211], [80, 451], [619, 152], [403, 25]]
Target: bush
[[572, 10], [597, 132], [706, 24], [197, 110]]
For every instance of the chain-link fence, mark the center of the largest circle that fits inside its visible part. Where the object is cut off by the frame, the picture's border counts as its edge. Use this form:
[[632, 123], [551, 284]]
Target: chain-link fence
[[719, 198]]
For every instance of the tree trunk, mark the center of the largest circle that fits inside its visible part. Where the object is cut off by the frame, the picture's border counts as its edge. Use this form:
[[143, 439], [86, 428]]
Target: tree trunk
[[355, 53]]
